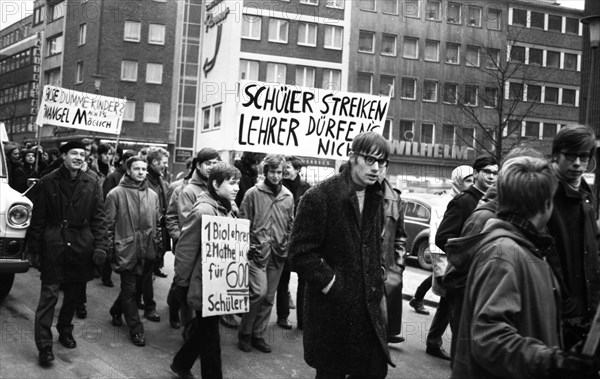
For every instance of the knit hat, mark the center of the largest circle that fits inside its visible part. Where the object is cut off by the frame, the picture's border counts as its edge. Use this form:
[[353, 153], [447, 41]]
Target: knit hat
[[64, 149]]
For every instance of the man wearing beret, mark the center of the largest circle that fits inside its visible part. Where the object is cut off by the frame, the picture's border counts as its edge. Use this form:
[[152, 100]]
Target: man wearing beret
[[66, 238]]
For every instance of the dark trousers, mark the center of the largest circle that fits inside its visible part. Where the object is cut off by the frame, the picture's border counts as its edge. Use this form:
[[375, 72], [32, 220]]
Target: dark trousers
[[106, 272], [44, 314], [205, 342], [300, 302], [144, 288], [178, 305], [423, 288], [439, 324], [126, 305], [455, 300], [283, 304]]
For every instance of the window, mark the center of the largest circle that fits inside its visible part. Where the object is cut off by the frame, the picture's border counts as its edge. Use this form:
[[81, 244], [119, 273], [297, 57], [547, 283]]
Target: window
[[551, 95], [568, 96], [276, 73], [432, 50], [332, 79], [452, 53], [465, 136], [453, 13], [132, 31], [55, 45], [554, 23], [450, 93], [519, 17], [364, 82], [251, 26], [387, 85], [411, 48], [367, 5], [494, 19], [534, 92], [248, 70], [305, 77], [217, 116], [278, 30], [411, 8], [535, 56], [389, 6], [339, 4], [366, 42], [156, 34], [53, 77], [570, 61], [388, 45], [549, 130], [537, 20], [553, 59], [430, 91], [129, 71], [37, 16], [427, 132], [82, 34], [129, 111], [492, 58], [56, 11], [532, 129], [79, 75], [490, 99], [407, 132], [572, 25], [474, 16], [515, 91], [471, 94], [432, 10], [517, 54], [307, 34], [310, 2], [447, 134], [333, 37], [154, 73], [152, 112], [206, 118], [409, 88], [472, 58]]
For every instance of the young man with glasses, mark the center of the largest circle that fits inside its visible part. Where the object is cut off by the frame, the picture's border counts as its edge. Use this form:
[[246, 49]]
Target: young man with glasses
[[573, 226], [336, 247]]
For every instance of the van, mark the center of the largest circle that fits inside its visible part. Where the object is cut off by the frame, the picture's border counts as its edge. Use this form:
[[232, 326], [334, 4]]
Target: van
[[15, 216]]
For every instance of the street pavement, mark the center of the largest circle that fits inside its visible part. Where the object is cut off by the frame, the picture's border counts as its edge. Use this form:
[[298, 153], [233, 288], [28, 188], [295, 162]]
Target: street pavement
[[105, 351]]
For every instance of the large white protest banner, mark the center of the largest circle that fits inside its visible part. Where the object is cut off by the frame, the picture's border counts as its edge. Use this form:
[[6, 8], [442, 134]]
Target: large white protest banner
[[225, 243], [311, 122], [80, 110]]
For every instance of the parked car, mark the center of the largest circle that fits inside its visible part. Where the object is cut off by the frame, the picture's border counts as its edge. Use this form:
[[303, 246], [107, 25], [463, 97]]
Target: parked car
[[422, 212]]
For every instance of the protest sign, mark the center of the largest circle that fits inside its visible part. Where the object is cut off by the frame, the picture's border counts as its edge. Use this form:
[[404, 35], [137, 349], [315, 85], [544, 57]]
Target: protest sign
[[80, 110], [225, 243], [293, 120]]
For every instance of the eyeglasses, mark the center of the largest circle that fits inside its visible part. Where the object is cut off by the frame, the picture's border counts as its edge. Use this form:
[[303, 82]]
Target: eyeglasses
[[583, 157], [370, 161], [487, 171]]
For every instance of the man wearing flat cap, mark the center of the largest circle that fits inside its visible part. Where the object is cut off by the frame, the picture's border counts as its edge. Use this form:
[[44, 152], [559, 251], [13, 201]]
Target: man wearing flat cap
[[66, 238]]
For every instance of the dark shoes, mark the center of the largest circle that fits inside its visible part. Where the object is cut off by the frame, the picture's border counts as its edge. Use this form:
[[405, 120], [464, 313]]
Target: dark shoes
[[183, 374], [80, 311], [46, 356], [108, 283], [116, 320], [152, 316], [174, 318], [158, 272], [437, 352], [418, 306], [228, 321], [138, 339], [141, 305], [244, 343], [67, 340], [261, 345], [395, 339], [284, 323]]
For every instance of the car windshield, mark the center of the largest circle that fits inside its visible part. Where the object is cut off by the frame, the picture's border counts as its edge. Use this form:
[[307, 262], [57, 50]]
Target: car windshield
[[3, 169]]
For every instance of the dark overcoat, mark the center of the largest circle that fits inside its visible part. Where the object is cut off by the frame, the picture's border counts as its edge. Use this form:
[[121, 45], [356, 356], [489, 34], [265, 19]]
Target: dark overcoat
[[345, 327], [67, 224]]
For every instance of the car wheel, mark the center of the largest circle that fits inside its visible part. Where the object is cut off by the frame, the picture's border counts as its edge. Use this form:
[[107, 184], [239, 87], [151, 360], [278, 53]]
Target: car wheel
[[6, 283], [424, 256]]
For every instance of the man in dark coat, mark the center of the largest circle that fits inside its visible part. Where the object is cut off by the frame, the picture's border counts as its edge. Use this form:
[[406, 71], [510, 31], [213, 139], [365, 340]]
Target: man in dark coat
[[336, 246], [67, 236]]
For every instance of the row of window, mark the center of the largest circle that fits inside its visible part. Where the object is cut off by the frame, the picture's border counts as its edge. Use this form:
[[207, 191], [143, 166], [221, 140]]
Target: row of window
[[20, 92], [211, 117], [543, 94], [279, 32], [151, 112], [21, 124], [15, 36], [543, 21], [129, 72], [304, 76], [433, 10], [133, 32], [544, 57], [19, 60]]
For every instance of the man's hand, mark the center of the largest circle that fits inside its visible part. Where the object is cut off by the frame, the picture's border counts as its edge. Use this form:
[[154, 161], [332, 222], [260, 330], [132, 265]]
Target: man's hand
[[99, 257], [569, 363]]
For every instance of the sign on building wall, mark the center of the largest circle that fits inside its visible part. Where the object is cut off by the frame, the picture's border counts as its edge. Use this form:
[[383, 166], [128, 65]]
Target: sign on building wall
[[293, 120], [225, 243], [66, 108]]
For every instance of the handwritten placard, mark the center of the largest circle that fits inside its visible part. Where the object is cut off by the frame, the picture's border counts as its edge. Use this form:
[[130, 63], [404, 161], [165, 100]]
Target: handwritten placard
[[293, 120], [80, 110], [225, 243]]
